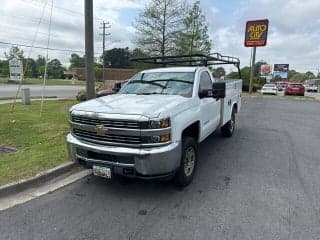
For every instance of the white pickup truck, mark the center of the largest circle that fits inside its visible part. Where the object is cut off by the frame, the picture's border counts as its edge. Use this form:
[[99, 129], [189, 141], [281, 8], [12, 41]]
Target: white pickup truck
[[152, 127]]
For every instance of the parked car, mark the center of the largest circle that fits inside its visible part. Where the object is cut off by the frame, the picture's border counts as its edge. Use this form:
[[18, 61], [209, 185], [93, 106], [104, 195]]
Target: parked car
[[312, 88], [269, 88], [295, 89], [152, 127], [279, 88]]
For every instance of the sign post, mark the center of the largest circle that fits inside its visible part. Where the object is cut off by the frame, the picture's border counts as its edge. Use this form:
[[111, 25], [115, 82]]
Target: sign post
[[255, 36], [16, 69]]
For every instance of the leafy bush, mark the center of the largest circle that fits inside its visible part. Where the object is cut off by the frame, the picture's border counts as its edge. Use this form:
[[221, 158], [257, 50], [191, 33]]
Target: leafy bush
[[81, 95]]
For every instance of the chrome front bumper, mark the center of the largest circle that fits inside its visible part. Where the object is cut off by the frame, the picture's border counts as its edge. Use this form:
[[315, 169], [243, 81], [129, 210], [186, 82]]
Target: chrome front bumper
[[147, 162]]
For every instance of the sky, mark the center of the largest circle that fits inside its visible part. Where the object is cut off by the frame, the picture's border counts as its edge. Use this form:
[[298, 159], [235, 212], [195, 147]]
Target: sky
[[293, 38]]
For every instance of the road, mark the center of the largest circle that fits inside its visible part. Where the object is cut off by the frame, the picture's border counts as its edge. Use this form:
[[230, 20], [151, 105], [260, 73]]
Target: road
[[9, 90], [263, 183]]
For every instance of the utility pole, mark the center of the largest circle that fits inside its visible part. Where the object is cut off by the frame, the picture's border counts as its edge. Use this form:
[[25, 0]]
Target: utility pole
[[104, 34], [88, 29]]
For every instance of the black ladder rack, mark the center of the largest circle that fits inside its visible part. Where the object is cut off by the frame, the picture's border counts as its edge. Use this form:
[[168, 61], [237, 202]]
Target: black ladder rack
[[191, 60]]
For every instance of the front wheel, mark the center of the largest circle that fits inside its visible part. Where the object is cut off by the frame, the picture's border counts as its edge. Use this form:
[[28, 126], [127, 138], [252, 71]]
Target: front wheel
[[228, 129], [188, 163]]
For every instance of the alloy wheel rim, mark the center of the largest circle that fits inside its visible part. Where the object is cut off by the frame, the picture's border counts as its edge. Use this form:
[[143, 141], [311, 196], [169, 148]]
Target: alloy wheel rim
[[189, 161], [232, 121]]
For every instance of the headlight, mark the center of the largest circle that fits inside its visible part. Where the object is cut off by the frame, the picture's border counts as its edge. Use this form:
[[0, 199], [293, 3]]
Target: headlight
[[156, 124]]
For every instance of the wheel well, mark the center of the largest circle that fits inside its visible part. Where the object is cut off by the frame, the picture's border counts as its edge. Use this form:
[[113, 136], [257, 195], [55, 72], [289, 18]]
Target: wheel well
[[192, 131], [235, 106]]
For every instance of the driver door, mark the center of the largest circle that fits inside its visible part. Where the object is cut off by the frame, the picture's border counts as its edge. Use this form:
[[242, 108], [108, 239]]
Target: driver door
[[209, 107]]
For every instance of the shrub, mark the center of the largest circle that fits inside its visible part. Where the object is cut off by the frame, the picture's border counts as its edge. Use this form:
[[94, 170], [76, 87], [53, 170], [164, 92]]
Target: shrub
[[82, 95]]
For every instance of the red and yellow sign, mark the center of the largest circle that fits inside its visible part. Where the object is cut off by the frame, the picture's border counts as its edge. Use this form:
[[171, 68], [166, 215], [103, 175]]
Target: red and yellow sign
[[256, 33]]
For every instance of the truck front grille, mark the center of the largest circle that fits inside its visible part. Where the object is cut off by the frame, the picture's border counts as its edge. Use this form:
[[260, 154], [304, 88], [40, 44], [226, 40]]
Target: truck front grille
[[107, 122], [107, 139]]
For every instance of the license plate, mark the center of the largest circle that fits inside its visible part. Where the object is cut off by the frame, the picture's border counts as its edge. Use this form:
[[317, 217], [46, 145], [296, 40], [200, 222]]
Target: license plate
[[104, 172]]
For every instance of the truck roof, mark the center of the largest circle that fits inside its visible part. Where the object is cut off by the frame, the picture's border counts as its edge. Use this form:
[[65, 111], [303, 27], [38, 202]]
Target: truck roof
[[172, 69]]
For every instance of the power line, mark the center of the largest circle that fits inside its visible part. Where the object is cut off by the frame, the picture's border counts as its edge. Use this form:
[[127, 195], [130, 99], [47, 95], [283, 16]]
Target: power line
[[61, 8], [40, 47]]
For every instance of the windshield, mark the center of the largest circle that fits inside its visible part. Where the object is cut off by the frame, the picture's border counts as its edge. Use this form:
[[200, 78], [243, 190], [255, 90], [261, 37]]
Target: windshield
[[168, 83], [269, 85]]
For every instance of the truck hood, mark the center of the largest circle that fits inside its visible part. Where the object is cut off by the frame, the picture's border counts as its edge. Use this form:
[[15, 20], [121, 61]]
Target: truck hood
[[146, 105]]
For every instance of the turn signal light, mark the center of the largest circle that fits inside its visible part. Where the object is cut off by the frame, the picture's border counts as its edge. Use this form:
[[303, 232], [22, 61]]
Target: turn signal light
[[165, 138]]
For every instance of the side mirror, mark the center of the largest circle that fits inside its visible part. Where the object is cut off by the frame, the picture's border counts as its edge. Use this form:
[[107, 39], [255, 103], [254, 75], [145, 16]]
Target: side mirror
[[218, 90], [205, 93], [117, 87]]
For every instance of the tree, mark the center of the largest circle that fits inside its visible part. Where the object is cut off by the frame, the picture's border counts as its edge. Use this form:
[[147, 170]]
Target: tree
[[41, 63], [55, 69], [245, 75], [31, 68], [297, 77], [158, 25], [218, 72], [137, 52], [291, 73], [116, 58], [76, 61], [194, 38], [257, 68], [14, 51], [4, 68], [98, 73], [309, 75]]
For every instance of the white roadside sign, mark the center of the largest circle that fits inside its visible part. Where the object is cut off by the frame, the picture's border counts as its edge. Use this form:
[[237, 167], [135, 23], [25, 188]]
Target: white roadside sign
[[16, 69]]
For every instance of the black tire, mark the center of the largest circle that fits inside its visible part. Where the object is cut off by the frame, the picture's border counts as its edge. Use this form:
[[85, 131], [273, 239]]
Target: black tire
[[185, 174], [228, 129]]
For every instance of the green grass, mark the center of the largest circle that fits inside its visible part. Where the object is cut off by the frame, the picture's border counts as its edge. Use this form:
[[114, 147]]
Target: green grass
[[48, 82], [40, 141]]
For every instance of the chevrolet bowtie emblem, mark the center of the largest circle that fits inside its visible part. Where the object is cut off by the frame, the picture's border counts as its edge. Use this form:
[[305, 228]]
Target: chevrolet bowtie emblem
[[100, 130]]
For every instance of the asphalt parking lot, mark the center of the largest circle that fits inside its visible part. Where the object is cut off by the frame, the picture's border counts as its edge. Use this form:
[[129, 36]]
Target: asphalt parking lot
[[263, 183]]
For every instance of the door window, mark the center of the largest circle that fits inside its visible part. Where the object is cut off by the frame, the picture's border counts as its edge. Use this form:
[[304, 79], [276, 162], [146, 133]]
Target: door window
[[205, 81]]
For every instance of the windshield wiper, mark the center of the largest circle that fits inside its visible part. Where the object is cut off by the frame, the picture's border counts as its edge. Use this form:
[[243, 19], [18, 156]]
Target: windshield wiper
[[146, 82], [171, 80], [152, 93]]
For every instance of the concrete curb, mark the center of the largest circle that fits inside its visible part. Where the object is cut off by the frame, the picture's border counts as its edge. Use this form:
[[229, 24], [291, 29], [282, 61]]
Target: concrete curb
[[45, 176]]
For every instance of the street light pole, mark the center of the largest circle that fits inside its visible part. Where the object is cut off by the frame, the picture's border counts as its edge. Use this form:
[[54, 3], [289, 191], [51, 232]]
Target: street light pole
[[88, 13]]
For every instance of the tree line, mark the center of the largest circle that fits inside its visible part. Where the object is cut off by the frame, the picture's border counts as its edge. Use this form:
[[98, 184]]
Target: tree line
[[259, 80], [32, 67]]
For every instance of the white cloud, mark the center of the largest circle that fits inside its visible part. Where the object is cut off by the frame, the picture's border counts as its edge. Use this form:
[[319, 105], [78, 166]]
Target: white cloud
[[293, 34], [20, 19]]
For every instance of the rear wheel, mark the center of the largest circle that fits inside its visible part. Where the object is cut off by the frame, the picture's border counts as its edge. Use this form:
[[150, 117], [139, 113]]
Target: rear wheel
[[188, 163], [228, 129]]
